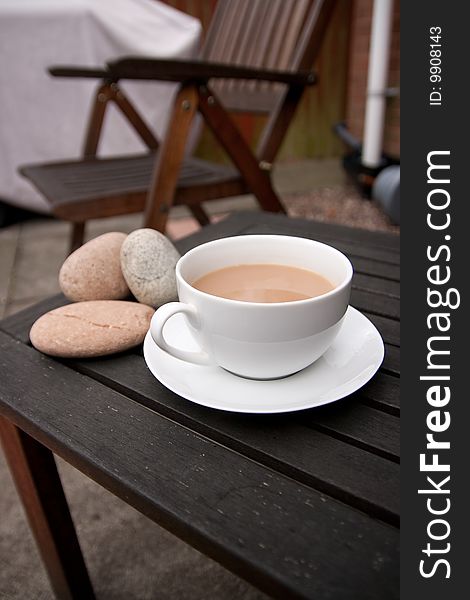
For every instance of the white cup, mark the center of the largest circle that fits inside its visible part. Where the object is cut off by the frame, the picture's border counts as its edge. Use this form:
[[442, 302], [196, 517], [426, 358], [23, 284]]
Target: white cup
[[251, 339]]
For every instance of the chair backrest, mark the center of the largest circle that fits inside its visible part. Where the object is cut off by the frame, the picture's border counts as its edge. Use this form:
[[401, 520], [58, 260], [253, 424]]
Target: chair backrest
[[272, 34]]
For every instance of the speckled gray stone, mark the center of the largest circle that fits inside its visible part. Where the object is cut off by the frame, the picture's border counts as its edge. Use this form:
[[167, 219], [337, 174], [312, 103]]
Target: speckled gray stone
[[93, 272], [148, 261]]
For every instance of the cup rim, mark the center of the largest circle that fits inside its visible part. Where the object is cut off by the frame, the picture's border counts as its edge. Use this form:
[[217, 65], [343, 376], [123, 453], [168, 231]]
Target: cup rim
[[232, 302]]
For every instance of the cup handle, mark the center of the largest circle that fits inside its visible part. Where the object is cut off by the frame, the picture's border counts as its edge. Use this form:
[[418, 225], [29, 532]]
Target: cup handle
[[157, 323]]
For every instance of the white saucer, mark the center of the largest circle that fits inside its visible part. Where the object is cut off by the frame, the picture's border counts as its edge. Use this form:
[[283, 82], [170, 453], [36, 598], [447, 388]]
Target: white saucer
[[347, 365]]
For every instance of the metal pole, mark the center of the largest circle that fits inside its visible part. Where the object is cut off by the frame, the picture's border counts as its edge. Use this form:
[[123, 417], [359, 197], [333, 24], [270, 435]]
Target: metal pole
[[377, 82]]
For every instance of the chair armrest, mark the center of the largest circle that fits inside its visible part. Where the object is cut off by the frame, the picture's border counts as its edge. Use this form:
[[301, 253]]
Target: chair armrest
[[87, 72], [199, 71]]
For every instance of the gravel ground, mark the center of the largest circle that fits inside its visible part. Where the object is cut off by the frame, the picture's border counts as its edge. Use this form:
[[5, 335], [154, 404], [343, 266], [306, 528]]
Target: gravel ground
[[340, 204]]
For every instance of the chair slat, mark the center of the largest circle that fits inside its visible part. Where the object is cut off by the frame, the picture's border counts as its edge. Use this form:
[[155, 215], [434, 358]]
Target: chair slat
[[291, 35], [230, 37], [252, 27], [312, 34], [256, 33], [225, 30], [250, 53], [279, 28], [270, 18]]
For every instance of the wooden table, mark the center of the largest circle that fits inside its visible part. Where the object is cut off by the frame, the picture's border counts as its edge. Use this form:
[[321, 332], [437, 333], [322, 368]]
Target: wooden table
[[302, 505]]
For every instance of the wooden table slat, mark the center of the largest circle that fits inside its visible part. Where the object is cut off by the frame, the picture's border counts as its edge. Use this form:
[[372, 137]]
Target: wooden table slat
[[373, 303], [376, 253], [388, 328], [367, 427], [378, 285], [241, 221], [383, 392], [391, 363], [375, 268]]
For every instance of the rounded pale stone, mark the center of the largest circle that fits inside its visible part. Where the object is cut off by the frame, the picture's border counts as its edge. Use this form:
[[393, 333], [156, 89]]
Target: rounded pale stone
[[93, 328], [93, 272], [148, 261]]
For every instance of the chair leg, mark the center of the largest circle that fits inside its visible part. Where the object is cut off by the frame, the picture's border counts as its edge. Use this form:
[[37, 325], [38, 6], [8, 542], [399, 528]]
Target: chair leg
[[95, 122], [77, 236], [199, 214], [239, 151], [170, 156]]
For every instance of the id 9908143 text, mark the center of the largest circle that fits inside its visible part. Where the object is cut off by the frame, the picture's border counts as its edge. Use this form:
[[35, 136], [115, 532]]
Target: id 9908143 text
[[435, 66]]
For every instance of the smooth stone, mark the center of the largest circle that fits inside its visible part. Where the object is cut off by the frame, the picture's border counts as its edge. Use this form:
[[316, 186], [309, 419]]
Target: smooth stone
[[148, 261], [91, 328], [93, 271]]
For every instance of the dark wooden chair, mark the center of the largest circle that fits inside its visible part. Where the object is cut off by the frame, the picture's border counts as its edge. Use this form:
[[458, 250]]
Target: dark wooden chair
[[257, 57]]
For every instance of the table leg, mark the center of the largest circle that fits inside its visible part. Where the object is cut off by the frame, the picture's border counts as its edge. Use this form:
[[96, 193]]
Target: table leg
[[76, 239], [38, 483]]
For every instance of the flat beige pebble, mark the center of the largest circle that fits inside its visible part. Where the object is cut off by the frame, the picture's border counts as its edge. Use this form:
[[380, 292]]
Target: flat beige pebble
[[93, 271], [93, 328]]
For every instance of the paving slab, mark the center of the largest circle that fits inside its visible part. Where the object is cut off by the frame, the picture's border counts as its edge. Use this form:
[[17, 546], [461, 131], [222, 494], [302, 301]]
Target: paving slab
[[37, 264]]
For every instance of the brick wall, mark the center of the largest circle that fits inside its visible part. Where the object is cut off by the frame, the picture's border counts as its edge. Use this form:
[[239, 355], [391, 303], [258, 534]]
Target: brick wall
[[361, 18]]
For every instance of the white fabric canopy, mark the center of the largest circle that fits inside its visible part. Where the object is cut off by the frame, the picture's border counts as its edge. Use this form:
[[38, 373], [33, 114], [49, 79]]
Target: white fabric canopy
[[44, 118]]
